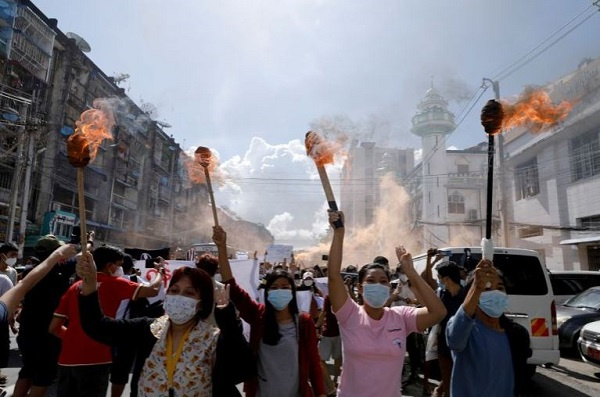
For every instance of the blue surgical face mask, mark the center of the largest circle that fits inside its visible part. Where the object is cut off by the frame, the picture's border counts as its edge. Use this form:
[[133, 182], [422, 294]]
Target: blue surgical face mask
[[493, 303], [375, 295], [280, 298], [463, 283], [441, 285]]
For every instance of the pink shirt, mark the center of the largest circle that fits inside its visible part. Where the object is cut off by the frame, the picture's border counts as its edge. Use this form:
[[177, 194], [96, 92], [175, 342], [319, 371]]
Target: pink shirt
[[373, 349]]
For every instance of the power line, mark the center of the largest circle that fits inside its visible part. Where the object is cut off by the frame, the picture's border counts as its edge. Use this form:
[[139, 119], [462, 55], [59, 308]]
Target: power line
[[507, 70]]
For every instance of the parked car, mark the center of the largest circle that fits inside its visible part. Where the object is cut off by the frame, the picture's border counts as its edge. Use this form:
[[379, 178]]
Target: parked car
[[531, 301], [589, 343], [576, 312], [566, 283]]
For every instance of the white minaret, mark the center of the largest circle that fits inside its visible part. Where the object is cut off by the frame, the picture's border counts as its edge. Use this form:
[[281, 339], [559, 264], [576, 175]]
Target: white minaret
[[433, 123]]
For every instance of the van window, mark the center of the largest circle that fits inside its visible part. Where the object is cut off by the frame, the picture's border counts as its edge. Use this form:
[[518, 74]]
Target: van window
[[572, 284], [523, 274]]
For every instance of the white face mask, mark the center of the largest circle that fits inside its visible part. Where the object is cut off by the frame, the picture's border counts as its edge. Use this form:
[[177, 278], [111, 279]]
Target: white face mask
[[10, 261], [308, 282], [119, 272], [180, 309]]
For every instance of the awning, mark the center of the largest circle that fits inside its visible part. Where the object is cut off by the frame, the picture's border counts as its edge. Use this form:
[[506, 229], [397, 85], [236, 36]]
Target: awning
[[584, 240]]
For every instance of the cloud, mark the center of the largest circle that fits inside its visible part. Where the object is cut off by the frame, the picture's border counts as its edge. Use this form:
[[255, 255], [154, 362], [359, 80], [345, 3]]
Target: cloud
[[278, 186]]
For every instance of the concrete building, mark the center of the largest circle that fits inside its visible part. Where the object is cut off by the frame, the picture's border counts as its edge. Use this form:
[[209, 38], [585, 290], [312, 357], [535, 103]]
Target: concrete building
[[555, 177], [361, 173], [137, 192]]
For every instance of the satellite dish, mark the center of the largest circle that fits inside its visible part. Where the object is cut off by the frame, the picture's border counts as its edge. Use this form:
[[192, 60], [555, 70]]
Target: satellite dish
[[150, 109], [164, 124], [79, 41]]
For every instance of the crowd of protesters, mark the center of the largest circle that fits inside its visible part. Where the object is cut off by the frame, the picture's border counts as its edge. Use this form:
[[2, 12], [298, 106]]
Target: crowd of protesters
[[84, 321]]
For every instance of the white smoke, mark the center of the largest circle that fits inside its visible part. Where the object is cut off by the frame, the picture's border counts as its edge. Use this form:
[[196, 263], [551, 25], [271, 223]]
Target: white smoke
[[278, 186]]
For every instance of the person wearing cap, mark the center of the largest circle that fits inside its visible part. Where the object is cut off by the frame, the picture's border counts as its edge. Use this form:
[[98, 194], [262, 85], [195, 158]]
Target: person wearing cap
[[316, 296], [41, 287]]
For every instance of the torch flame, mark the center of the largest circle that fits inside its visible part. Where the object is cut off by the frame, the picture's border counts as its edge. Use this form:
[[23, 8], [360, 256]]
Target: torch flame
[[94, 125], [535, 111], [319, 149], [195, 166]]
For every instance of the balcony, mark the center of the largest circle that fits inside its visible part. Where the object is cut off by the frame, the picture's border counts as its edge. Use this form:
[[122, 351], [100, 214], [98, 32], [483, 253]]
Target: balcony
[[123, 202]]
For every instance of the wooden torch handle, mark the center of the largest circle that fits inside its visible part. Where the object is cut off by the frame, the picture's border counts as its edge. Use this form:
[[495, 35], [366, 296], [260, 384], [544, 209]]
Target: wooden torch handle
[[212, 196], [81, 195], [329, 194]]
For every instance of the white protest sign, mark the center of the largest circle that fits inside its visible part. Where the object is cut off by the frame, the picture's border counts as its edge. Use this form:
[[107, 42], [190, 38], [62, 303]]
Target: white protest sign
[[278, 252], [245, 272]]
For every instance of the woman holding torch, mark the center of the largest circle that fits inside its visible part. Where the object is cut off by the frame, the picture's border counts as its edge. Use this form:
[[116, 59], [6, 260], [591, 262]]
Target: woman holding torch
[[284, 341], [184, 354], [374, 336]]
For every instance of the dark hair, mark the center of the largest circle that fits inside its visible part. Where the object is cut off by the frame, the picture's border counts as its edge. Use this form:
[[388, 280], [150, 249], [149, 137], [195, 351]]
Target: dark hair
[[202, 283], [382, 260], [106, 254], [370, 266], [208, 263], [127, 263], [34, 260], [271, 333], [8, 247], [449, 269]]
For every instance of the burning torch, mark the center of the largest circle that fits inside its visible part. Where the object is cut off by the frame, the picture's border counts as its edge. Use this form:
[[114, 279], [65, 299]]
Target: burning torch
[[491, 119], [92, 128], [204, 157], [321, 152], [533, 110]]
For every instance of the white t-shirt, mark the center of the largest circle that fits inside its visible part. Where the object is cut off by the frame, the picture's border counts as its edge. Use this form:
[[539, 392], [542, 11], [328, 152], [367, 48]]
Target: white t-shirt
[[5, 284]]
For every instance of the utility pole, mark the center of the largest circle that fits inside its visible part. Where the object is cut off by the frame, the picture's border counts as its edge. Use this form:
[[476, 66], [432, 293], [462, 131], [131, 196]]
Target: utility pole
[[26, 191], [504, 202], [16, 181]]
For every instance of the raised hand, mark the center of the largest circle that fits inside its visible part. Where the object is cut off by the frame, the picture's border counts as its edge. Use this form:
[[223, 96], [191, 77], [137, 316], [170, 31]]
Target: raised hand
[[222, 296], [485, 273], [334, 216], [64, 252], [219, 236], [405, 258]]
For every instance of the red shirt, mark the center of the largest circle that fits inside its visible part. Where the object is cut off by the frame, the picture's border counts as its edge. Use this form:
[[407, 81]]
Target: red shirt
[[77, 347]]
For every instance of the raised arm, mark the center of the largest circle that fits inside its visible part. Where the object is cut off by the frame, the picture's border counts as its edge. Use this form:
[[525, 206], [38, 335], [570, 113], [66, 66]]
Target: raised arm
[[434, 310], [337, 288], [250, 310], [15, 295], [99, 327], [427, 274]]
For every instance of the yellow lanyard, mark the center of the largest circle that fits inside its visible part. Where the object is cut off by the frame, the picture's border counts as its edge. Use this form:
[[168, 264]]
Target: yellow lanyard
[[173, 358]]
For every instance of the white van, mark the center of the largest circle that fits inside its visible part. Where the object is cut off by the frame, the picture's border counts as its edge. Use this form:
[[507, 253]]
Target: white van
[[531, 300]]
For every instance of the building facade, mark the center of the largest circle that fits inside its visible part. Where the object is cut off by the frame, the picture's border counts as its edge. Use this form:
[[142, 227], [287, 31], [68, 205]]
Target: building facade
[[137, 191], [555, 177]]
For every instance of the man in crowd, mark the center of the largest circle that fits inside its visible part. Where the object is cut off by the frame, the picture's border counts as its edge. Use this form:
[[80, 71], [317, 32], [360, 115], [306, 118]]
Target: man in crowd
[[39, 349], [44, 284], [84, 364], [8, 260], [452, 295]]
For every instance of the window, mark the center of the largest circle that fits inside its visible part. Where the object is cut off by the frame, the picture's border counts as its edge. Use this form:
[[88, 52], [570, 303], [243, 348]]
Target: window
[[456, 203], [585, 155], [527, 183], [462, 169], [589, 222]]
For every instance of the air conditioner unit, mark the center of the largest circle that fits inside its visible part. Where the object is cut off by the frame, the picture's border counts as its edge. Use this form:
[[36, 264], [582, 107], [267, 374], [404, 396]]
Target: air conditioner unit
[[472, 215]]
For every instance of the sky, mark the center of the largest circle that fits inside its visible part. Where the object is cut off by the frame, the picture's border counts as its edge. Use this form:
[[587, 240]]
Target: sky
[[249, 78]]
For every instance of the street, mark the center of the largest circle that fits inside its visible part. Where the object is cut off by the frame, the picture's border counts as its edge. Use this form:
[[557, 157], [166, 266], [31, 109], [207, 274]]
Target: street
[[571, 378]]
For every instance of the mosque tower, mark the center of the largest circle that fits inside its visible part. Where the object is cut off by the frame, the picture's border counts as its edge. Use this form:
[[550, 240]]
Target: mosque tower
[[433, 122]]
